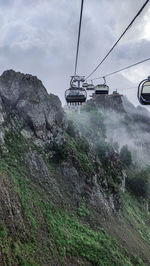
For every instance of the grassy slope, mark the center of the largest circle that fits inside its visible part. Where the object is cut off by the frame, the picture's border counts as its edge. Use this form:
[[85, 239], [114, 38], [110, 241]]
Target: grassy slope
[[53, 237]]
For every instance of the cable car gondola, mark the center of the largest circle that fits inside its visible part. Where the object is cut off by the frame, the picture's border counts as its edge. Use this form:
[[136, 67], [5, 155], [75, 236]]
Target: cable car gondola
[[102, 88], [144, 91], [85, 85], [90, 87], [76, 94]]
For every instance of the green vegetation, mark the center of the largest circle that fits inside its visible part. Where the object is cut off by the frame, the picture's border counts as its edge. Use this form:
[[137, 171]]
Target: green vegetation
[[82, 210], [78, 240], [138, 182], [101, 148], [66, 235], [137, 217], [16, 252], [125, 156], [77, 149]]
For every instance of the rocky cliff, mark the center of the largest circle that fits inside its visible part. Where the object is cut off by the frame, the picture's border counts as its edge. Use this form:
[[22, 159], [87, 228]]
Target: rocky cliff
[[39, 114], [60, 198]]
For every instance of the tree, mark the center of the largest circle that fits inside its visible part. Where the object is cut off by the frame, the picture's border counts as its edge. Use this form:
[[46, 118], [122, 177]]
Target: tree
[[125, 156], [139, 183]]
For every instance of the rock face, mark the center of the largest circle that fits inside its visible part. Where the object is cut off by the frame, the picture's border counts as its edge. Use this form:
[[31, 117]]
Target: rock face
[[40, 113], [52, 179], [110, 102], [27, 108]]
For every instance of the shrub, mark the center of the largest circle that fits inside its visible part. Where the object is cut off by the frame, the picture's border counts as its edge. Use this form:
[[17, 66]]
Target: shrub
[[125, 156], [139, 184], [83, 145], [61, 152], [101, 149], [82, 211]]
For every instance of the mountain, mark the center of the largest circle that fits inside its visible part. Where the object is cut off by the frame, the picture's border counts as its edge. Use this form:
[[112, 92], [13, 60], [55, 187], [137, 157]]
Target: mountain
[[66, 195]]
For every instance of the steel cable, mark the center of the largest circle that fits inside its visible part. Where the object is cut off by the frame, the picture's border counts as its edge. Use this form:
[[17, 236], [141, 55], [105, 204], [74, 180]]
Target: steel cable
[[141, 9]]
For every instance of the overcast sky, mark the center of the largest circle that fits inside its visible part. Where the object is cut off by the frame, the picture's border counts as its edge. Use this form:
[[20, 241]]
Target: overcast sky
[[39, 37]]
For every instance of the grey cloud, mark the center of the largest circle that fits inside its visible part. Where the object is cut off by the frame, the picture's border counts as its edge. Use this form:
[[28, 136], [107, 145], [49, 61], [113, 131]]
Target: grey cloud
[[39, 37]]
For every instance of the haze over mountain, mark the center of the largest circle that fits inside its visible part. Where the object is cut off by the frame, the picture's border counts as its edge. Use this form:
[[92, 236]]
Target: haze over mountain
[[69, 194]]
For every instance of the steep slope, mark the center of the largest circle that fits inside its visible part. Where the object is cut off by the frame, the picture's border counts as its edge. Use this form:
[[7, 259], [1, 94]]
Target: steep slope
[[59, 203], [108, 126]]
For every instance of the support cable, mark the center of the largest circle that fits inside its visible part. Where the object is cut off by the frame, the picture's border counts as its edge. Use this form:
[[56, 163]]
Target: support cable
[[78, 42], [122, 69], [132, 21]]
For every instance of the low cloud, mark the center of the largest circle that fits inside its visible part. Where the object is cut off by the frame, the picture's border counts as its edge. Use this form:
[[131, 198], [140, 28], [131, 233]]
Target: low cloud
[[39, 37]]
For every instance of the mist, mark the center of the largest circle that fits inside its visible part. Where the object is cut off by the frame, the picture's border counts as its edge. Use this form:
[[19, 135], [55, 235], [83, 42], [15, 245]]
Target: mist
[[126, 125]]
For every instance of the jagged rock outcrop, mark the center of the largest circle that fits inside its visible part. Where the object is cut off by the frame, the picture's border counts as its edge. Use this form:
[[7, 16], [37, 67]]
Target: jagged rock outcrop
[[27, 108], [109, 102], [40, 114], [60, 201]]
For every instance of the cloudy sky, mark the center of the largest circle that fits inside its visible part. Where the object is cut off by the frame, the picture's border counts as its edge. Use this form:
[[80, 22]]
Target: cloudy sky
[[39, 37]]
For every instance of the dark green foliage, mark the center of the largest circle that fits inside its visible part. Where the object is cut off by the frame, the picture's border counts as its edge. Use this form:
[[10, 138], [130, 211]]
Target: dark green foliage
[[60, 152], [71, 129], [82, 145], [67, 235], [82, 210], [125, 156], [79, 149], [78, 240], [15, 143], [3, 233], [139, 183], [101, 148]]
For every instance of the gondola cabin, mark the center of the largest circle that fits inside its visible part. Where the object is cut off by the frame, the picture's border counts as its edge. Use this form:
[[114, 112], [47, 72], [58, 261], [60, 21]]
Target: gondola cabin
[[90, 87], [101, 89], [75, 95], [144, 92], [85, 85]]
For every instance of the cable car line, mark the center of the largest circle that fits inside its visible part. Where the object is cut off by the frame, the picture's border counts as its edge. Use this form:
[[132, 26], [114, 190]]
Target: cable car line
[[122, 69], [77, 94], [141, 9], [78, 42]]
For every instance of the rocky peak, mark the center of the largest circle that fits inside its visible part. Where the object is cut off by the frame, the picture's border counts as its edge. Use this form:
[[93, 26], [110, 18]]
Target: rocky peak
[[109, 102], [41, 114]]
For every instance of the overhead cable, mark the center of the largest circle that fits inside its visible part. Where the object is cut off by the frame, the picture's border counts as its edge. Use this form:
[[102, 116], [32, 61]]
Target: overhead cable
[[78, 42], [132, 21], [122, 69]]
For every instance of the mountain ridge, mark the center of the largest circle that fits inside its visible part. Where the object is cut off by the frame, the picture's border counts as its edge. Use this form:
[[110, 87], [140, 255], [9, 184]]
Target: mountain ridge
[[61, 199]]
